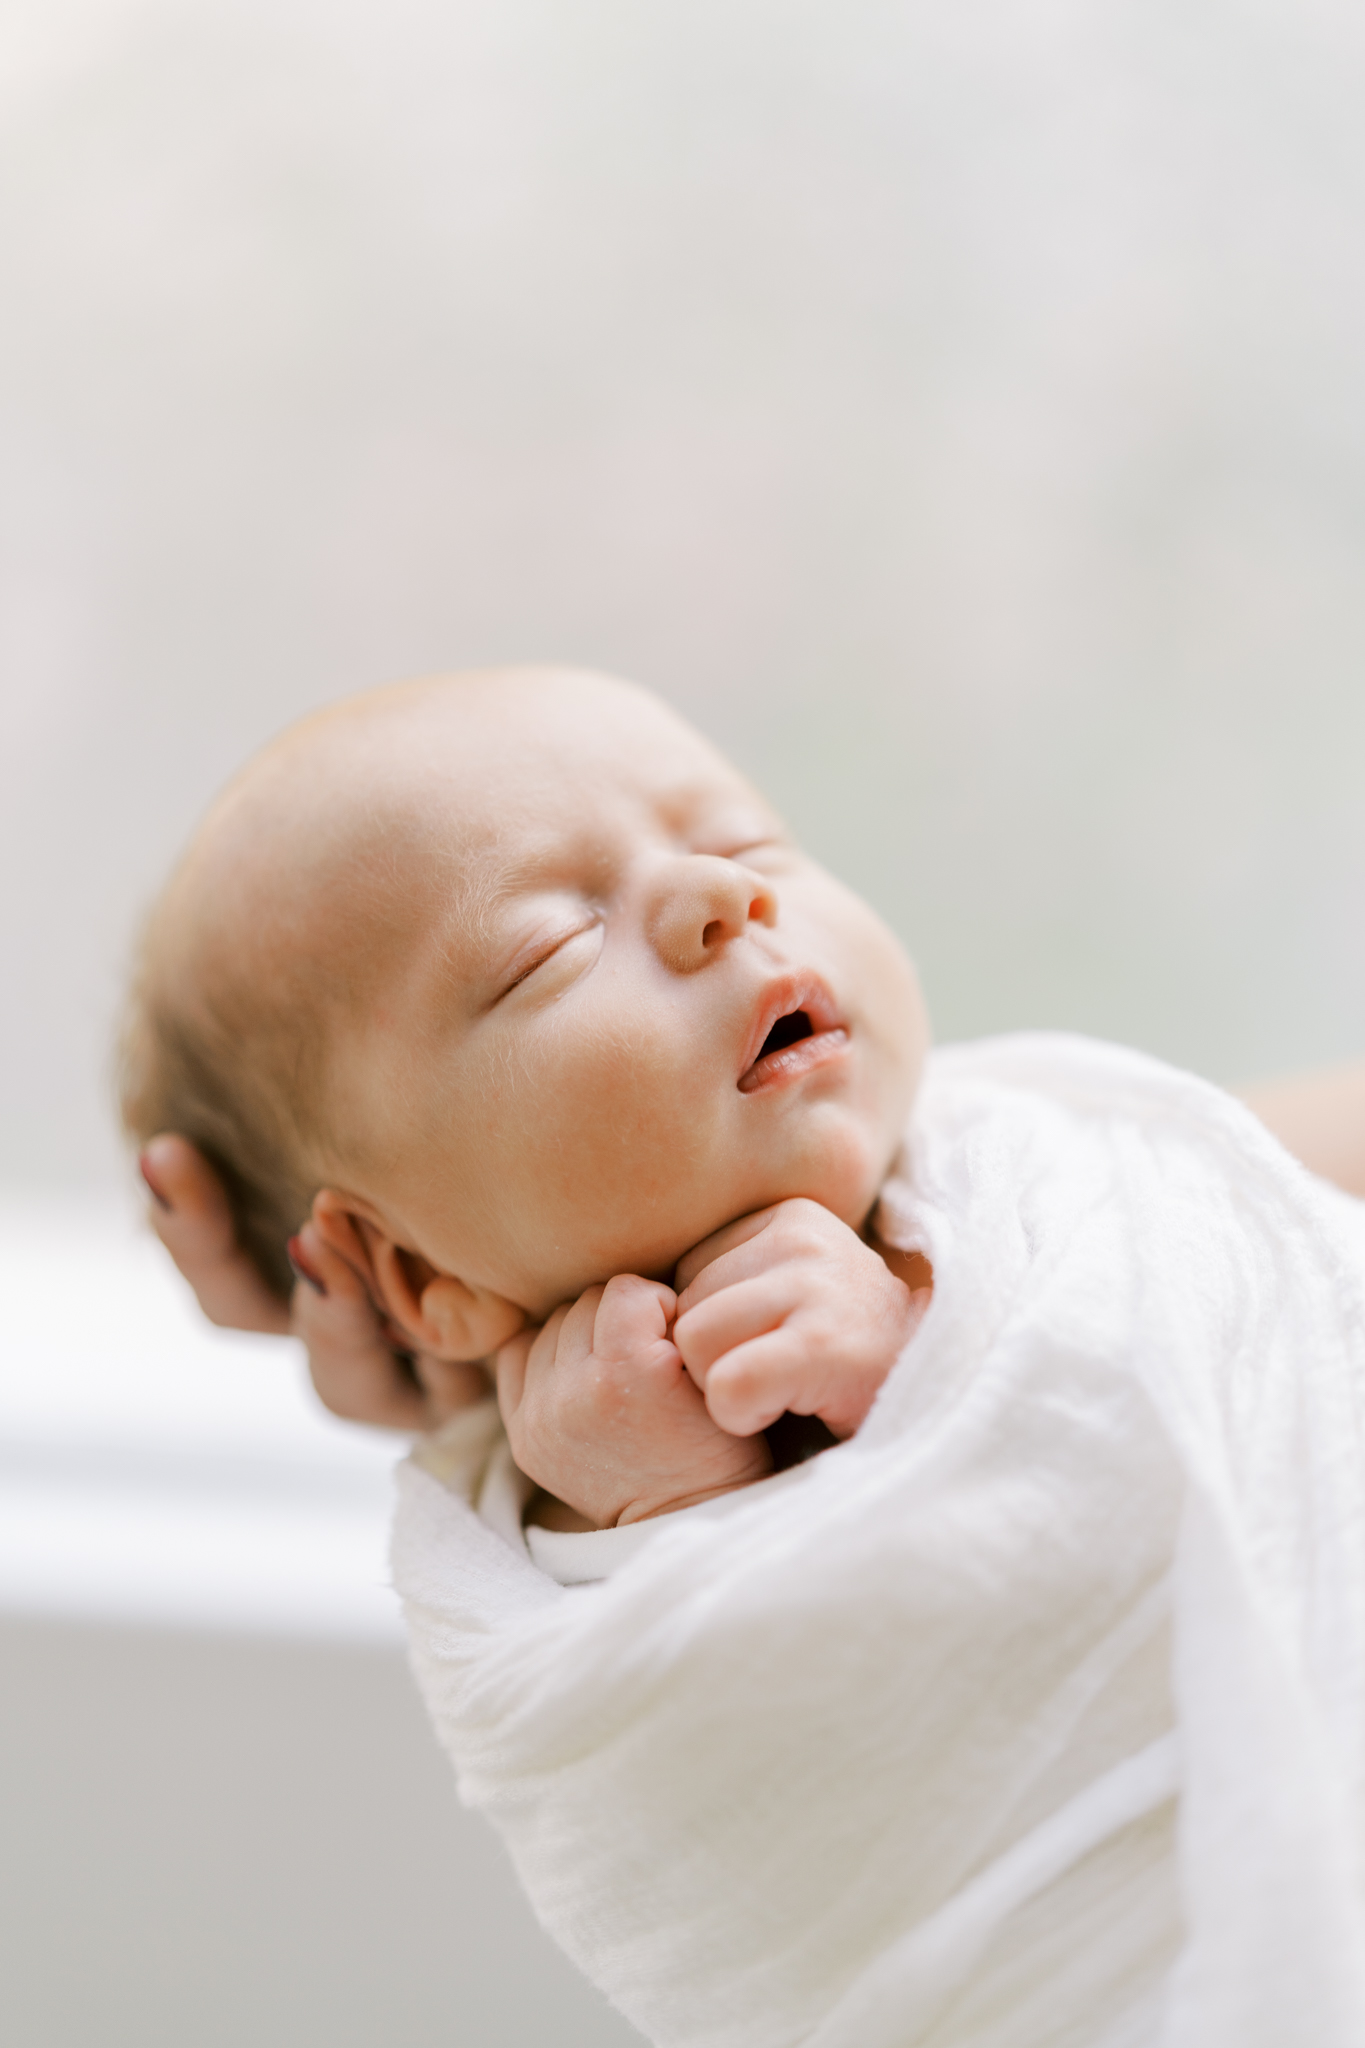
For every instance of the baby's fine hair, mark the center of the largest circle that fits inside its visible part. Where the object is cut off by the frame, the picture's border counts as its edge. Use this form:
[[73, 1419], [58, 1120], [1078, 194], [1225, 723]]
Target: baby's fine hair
[[235, 1069], [245, 964]]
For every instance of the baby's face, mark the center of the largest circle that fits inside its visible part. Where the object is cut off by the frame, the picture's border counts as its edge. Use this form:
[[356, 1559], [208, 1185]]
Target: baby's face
[[612, 1006]]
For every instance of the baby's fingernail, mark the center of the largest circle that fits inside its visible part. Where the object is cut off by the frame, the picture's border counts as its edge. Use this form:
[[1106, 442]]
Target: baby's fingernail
[[162, 1200], [298, 1260]]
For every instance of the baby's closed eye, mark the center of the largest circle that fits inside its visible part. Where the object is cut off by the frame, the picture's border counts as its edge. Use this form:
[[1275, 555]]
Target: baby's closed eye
[[555, 959]]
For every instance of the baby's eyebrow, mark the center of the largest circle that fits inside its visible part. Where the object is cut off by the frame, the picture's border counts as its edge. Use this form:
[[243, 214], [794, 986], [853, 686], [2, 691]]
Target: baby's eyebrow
[[702, 807], [685, 805], [474, 941], [461, 933]]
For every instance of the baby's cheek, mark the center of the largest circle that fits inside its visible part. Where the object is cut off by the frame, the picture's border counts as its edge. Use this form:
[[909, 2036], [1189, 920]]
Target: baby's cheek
[[604, 1170]]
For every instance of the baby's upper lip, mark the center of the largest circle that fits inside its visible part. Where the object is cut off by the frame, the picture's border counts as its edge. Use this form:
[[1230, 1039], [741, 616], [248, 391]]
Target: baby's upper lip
[[781, 998]]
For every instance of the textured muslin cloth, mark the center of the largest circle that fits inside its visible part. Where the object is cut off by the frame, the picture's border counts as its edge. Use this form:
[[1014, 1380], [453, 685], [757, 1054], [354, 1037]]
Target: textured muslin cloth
[[1035, 1714]]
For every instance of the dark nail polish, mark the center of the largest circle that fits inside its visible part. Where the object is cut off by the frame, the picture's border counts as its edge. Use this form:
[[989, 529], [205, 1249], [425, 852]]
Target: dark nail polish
[[152, 1188], [302, 1268]]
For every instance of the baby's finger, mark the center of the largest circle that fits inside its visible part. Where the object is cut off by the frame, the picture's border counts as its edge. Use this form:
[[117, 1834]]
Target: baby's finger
[[752, 1385], [732, 1316], [193, 1220], [766, 1252], [573, 1326], [632, 1314], [533, 1362], [791, 1233], [717, 1245], [509, 1372]]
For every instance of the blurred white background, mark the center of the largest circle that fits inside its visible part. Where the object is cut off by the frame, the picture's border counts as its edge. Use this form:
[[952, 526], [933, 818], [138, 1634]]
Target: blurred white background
[[956, 409]]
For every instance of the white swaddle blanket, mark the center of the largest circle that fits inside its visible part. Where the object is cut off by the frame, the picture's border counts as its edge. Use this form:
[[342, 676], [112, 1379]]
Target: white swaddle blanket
[[1036, 1713]]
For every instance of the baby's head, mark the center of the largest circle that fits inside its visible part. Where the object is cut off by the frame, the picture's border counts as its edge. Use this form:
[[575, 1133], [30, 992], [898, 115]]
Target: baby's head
[[513, 980]]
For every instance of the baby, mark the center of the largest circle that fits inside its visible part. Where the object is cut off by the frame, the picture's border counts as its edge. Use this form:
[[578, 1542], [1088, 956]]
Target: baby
[[515, 998], [510, 1003]]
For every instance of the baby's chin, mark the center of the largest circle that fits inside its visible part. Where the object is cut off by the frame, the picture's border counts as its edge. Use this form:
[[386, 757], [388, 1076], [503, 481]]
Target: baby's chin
[[840, 1160], [846, 1178], [845, 1175]]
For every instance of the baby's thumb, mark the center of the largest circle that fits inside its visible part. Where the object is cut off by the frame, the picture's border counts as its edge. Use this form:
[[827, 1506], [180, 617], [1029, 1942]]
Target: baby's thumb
[[632, 1314], [509, 1371]]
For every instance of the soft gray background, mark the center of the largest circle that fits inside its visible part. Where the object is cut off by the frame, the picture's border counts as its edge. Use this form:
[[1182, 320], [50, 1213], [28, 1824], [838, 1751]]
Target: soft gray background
[[957, 409]]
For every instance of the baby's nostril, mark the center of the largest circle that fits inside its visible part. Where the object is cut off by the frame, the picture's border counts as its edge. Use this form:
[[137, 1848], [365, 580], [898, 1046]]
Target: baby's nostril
[[713, 933]]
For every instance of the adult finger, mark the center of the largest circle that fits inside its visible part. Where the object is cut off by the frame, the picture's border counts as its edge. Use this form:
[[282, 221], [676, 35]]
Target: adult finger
[[356, 1369], [193, 1219], [445, 1385], [449, 1384]]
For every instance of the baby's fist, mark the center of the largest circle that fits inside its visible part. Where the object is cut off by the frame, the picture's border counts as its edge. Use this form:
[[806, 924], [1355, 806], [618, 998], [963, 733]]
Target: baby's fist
[[600, 1411], [788, 1309]]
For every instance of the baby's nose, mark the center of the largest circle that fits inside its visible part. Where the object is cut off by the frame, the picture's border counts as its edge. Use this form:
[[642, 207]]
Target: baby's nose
[[699, 903]]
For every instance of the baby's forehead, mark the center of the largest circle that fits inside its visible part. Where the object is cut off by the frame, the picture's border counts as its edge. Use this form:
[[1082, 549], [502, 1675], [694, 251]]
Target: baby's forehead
[[506, 779], [506, 800], [442, 800]]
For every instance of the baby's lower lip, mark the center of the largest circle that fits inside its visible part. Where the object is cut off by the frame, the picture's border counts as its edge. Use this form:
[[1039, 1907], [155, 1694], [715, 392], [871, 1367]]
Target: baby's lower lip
[[794, 1061]]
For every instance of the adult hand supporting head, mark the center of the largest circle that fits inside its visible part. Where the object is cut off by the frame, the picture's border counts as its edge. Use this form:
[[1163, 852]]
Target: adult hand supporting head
[[357, 1370]]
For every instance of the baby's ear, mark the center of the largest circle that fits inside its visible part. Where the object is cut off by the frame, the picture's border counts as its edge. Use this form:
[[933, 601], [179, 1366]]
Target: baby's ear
[[436, 1312]]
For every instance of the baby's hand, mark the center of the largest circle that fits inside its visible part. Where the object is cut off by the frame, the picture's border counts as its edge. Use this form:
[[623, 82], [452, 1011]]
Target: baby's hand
[[600, 1411], [788, 1309]]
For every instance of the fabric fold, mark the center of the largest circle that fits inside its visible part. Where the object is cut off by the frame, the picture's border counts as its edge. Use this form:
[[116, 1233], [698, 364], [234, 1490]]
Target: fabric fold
[[1032, 1716]]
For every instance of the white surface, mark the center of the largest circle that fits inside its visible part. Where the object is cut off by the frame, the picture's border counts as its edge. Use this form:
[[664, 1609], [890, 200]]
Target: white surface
[[215, 1767], [153, 1469], [238, 1841]]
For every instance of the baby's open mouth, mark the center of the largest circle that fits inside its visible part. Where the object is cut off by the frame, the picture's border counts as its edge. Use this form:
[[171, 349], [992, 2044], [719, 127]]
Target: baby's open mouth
[[797, 1041], [786, 1031]]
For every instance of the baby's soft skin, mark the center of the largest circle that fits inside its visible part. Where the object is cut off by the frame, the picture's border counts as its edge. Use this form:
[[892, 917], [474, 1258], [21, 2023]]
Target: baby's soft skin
[[596, 1015], [558, 932], [785, 1311]]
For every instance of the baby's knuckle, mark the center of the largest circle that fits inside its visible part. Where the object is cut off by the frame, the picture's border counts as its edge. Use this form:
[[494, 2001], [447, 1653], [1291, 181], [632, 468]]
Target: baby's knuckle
[[591, 1405], [660, 1370], [622, 1285], [738, 1378], [609, 1374], [807, 1229]]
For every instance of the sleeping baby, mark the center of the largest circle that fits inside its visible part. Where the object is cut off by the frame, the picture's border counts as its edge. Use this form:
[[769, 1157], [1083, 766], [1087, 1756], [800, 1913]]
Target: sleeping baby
[[1034, 1710], [512, 995]]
